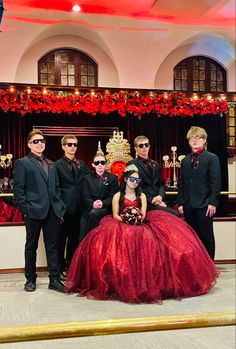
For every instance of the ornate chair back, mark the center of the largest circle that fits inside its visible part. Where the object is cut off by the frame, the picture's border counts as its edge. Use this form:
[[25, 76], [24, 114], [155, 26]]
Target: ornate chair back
[[118, 153]]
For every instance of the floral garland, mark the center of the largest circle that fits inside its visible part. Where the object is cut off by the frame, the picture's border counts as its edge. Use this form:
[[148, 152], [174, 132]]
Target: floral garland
[[122, 102]]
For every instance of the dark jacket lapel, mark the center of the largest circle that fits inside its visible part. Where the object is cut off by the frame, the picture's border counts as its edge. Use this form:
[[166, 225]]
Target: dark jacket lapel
[[189, 167], [67, 170], [145, 170]]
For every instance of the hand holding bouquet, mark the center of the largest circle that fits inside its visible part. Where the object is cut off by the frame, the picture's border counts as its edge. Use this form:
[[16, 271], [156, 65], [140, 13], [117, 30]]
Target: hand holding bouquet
[[132, 215]]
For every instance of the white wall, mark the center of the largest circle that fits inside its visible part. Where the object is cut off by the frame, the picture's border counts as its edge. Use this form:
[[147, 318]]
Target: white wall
[[214, 46], [12, 240], [27, 68], [126, 58]]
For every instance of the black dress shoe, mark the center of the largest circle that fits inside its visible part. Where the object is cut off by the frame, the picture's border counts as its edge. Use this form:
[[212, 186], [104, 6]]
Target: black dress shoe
[[56, 285], [63, 275], [30, 286]]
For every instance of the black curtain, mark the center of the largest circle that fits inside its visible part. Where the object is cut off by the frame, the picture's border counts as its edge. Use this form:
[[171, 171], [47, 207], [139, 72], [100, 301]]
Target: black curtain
[[14, 129], [163, 133], [166, 131]]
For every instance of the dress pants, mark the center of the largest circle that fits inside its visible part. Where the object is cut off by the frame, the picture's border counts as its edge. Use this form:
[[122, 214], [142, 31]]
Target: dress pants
[[163, 208], [69, 239], [90, 220], [50, 228], [203, 226]]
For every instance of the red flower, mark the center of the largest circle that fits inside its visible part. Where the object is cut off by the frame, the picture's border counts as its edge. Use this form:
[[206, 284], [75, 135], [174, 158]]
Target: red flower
[[123, 102]]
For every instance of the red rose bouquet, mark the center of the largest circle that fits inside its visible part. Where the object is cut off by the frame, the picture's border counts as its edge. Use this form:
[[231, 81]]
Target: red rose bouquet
[[132, 215]]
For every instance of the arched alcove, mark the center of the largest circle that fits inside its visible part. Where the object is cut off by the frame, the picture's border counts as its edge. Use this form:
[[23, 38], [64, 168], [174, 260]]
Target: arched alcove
[[53, 39], [208, 45]]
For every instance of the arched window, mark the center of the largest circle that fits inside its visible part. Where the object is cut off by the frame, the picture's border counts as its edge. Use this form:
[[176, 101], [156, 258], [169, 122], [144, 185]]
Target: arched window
[[199, 74], [67, 67]]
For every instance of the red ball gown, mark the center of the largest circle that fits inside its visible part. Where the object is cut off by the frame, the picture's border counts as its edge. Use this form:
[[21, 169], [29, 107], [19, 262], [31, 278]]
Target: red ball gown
[[159, 259]]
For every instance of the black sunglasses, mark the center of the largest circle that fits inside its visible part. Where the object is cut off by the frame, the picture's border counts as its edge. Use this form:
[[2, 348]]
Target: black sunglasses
[[72, 144], [135, 180], [143, 145], [36, 141], [102, 162]]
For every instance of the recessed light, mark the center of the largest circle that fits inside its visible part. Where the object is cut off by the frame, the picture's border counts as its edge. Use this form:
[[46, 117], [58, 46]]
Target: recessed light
[[76, 8]]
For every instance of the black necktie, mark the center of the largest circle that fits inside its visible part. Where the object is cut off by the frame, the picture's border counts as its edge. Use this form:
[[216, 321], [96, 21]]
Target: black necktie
[[73, 168], [43, 164], [147, 163], [194, 160]]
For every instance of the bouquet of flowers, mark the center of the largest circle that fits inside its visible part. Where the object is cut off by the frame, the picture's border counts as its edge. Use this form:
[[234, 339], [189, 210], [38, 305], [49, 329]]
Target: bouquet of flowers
[[132, 215]]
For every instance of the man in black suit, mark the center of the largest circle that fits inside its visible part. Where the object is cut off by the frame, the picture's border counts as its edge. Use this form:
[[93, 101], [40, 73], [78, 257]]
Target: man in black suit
[[71, 172], [98, 191], [199, 187], [38, 197], [150, 172]]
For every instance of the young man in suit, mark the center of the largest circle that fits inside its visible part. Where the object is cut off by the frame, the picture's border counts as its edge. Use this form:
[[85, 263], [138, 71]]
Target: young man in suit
[[38, 197], [98, 191], [150, 172], [71, 172], [199, 187]]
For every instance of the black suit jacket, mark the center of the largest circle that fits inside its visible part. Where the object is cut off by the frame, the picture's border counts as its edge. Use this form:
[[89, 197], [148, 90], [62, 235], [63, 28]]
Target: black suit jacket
[[152, 182], [71, 187], [94, 189], [200, 186], [34, 190]]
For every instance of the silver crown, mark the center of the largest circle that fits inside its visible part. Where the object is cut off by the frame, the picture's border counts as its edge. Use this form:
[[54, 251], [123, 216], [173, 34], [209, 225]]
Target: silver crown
[[131, 167]]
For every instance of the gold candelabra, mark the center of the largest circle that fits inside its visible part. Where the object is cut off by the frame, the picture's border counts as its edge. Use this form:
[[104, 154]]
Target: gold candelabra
[[172, 163], [5, 160]]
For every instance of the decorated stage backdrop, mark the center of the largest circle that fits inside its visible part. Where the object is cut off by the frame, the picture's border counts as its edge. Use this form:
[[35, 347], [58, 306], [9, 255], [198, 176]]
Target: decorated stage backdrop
[[164, 119]]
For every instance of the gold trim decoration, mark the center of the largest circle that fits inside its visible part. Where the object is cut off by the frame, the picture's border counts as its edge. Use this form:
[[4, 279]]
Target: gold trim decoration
[[171, 163], [115, 326], [5, 160]]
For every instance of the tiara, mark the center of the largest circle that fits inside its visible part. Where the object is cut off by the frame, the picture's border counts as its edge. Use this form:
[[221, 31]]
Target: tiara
[[131, 167]]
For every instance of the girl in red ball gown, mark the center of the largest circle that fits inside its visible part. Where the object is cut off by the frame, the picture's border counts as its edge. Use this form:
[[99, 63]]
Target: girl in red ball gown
[[140, 257]]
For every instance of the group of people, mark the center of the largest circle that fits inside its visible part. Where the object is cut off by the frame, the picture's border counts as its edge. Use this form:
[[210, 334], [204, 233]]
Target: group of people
[[107, 241]]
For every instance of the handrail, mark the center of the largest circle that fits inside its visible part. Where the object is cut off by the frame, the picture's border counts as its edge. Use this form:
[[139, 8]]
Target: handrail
[[115, 326]]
